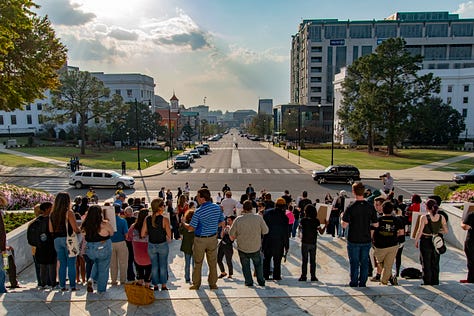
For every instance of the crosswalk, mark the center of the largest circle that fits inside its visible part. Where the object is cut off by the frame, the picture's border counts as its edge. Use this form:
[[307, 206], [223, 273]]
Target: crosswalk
[[291, 171], [422, 188], [52, 186]]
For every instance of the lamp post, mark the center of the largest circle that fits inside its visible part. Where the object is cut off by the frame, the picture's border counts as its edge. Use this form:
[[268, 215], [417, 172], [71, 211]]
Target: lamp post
[[332, 131], [169, 130], [137, 123]]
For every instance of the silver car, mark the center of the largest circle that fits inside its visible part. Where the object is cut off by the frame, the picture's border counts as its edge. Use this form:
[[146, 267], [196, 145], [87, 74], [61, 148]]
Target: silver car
[[100, 178]]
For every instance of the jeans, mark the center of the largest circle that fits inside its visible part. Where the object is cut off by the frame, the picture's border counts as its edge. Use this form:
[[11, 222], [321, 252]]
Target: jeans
[[257, 263], [359, 263], [188, 261], [311, 250], [100, 253], [159, 262], [2, 277], [295, 227], [89, 264], [66, 263], [130, 271], [469, 251]]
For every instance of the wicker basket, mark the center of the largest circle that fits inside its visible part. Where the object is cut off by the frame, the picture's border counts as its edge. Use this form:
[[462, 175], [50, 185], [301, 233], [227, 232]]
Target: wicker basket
[[138, 294]]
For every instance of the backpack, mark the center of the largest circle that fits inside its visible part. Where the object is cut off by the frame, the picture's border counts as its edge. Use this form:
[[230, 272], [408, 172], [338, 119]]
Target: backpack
[[37, 232], [411, 273]]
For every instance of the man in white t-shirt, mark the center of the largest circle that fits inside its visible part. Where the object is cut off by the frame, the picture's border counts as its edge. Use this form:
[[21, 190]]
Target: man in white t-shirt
[[228, 204]]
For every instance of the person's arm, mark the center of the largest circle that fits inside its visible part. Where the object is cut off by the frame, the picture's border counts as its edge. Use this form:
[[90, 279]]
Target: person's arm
[[444, 226], [420, 230], [233, 232], [108, 228], [144, 231], [166, 226], [465, 226]]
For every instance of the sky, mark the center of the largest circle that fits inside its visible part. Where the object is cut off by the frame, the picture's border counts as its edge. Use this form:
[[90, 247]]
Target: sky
[[229, 53]]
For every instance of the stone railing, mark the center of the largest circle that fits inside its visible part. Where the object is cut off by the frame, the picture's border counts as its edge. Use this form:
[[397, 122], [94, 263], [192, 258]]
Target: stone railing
[[456, 235], [17, 239]]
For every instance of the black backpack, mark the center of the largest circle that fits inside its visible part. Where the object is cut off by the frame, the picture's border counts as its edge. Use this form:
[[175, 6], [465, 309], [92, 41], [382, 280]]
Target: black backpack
[[411, 273], [37, 232]]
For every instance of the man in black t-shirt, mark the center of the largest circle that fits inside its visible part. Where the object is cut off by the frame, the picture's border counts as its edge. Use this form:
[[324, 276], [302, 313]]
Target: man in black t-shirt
[[468, 224], [360, 215], [298, 211], [386, 241]]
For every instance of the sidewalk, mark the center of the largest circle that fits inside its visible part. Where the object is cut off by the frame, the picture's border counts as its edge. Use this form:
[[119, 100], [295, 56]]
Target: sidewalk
[[329, 296]]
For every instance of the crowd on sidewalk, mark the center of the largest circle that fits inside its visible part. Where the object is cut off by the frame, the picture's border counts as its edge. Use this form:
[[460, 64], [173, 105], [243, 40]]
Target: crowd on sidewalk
[[127, 240]]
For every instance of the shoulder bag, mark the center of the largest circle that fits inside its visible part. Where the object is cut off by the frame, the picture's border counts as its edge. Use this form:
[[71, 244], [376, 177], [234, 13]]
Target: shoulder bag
[[72, 243], [138, 294], [438, 241]]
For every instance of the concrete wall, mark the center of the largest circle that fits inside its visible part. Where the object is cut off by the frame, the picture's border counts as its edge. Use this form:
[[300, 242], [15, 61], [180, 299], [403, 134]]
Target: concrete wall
[[456, 235], [17, 239]]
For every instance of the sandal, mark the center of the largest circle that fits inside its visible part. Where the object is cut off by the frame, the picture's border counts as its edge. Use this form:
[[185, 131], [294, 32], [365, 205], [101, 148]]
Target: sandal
[[164, 288]]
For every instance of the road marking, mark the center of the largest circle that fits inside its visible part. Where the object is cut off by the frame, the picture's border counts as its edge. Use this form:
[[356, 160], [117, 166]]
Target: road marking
[[203, 170], [267, 170], [285, 171], [221, 170], [235, 159], [212, 170], [195, 170], [249, 170], [295, 171], [276, 171]]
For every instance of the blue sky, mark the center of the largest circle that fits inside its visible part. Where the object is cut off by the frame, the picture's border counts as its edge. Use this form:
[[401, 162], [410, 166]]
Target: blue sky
[[232, 52]]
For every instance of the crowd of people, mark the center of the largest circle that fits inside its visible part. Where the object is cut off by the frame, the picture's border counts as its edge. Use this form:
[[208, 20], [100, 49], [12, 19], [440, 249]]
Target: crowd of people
[[128, 240]]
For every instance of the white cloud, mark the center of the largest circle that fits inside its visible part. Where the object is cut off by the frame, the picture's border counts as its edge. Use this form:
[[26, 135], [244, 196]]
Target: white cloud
[[63, 12], [122, 34], [466, 9]]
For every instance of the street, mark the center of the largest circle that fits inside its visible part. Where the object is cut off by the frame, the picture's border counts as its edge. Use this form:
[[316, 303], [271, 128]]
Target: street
[[251, 163]]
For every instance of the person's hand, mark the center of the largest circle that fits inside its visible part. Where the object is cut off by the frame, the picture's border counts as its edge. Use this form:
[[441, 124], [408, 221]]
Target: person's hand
[[416, 244]]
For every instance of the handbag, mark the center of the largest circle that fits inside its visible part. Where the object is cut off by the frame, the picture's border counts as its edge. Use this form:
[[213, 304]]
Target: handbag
[[437, 239], [72, 243], [138, 294]]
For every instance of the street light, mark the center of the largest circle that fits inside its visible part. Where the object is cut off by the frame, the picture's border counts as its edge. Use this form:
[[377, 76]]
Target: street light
[[169, 130], [332, 131], [299, 133], [137, 123]]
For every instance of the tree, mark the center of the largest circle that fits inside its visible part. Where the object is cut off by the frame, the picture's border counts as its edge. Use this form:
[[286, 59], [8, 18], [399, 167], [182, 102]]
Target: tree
[[379, 92], [30, 55], [261, 125], [434, 123], [83, 95], [188, 132]]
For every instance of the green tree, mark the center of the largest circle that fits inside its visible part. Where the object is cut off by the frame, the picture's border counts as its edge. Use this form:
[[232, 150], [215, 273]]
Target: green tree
[[433, 123], [30, 55], [261, 125], [188, 132], [379, 92], [83, 95]]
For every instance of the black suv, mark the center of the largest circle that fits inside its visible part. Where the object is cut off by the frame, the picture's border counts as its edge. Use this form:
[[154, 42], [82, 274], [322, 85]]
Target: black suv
[[340, 173]]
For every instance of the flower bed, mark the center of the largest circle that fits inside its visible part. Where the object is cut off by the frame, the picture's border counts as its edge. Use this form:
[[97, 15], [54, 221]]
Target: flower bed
[[463, 194], [15, 220], [20, 198]]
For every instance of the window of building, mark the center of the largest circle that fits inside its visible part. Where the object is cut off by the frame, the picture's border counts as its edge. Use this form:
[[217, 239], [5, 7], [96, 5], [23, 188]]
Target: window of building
[[386, 31], [457, 52], [39, 106], [431, 66], [462, 29], [355, 53], [464, 112], [13, 119], [315, 99], [465, 100], [360, 31], [448, 100], [334, 31], [29, 119], [411, 30], [315, 79], [316, 59], [468, 65], [40, 119], [457, 65], [435, 52], [437, 30], [316, 49], [443, 66], [341, 52], [315, 89], [118, 92], [316, 69], [1, 120], [28, 107], [366, 50], [129, 93], [315, 33], [466, 88], [414, 50], [450, 88]]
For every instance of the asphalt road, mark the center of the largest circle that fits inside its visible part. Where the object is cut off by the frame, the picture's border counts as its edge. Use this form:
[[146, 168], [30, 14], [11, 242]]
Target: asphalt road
[[225, 164]]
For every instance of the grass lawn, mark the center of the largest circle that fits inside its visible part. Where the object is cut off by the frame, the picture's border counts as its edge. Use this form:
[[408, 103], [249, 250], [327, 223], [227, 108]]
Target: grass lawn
[[18, 162], [104, 159], [461, 166], [406, 158]]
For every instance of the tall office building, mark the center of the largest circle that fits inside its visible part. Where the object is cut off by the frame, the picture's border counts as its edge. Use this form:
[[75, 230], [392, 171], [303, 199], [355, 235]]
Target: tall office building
[[265, 106], [323, 46]]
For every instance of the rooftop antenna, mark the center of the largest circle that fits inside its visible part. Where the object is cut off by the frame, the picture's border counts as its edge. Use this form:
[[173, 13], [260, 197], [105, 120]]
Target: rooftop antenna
[[204, 100]]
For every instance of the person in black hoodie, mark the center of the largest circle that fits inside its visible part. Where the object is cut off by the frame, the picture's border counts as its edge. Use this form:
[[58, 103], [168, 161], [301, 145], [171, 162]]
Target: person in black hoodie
[[276, 239]]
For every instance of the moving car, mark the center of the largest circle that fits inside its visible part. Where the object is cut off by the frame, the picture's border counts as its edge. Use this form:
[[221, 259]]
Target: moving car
[[467, 177], [337, 173], [100, 178], [181, 161]]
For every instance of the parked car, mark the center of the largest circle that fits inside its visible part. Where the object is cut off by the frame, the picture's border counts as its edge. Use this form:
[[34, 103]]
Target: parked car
[[99, 178], [195, 153], [189, 155], [467, 177], [201, 149], [181, 161], [207, 147], [337, 173]]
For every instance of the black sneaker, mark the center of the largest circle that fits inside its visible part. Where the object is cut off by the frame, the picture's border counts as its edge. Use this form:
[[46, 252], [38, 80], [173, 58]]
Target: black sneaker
[[375, 278], [302, 279], [314, 279], [393, 280]]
